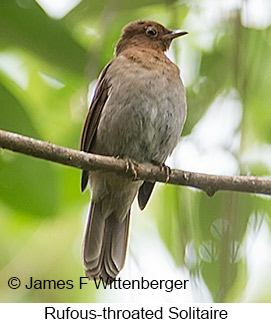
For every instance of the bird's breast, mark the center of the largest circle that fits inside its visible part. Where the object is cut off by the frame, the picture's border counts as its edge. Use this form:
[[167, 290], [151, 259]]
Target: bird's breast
[[144, 114]]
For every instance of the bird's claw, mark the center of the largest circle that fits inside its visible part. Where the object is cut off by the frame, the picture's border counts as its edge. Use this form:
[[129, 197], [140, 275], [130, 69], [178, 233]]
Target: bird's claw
[[130, 166], [167, 171]]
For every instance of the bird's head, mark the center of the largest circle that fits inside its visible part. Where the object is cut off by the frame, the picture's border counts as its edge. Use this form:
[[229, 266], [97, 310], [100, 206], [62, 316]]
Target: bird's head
[[147, 34]]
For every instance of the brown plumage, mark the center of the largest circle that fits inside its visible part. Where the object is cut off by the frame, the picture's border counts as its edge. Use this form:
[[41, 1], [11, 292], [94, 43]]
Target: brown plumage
[[137, 112]]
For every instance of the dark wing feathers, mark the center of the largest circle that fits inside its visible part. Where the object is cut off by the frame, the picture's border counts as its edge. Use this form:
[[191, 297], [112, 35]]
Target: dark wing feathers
[[93, 117], [90, 127], [144, 194]]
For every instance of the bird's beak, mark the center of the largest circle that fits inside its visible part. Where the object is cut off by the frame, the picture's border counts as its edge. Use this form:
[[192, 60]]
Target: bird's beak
[[175, 33]]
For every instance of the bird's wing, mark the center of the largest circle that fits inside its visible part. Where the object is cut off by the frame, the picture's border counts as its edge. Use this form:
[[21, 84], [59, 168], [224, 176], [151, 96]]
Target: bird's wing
[[90, 126], [144, 194]]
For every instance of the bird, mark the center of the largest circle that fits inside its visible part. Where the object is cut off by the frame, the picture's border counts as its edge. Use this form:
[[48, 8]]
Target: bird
[[137, 112]]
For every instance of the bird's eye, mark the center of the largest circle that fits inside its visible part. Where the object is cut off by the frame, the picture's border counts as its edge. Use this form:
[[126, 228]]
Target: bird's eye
[[151, 32]]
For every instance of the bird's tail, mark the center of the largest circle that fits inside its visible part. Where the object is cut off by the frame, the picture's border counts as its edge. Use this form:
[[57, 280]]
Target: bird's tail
[[105, 244]]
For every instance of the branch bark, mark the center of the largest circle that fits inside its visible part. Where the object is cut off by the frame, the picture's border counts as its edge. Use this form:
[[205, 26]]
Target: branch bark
[[70, 157]]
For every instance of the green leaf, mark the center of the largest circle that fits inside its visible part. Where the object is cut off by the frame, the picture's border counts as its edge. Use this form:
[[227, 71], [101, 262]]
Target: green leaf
[[26, 184], [173, 211], [27, 26]]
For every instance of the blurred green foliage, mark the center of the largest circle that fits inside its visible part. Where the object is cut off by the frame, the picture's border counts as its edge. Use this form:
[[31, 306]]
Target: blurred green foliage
[[46, 65]]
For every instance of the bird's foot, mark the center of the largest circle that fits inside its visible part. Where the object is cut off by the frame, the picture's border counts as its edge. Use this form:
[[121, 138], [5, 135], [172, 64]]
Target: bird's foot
[[130, 167], [167, 170]]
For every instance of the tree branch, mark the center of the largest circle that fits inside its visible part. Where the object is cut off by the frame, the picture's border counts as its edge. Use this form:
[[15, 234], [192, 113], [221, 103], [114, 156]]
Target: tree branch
[[70, 157]]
